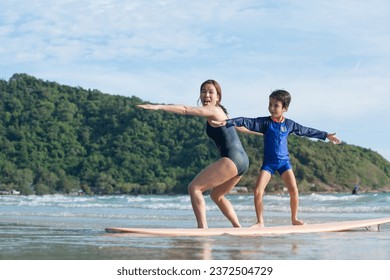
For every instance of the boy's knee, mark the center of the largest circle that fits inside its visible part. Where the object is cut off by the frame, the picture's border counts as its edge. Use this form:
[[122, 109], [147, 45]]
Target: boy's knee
[[293, 192], [258, 192]]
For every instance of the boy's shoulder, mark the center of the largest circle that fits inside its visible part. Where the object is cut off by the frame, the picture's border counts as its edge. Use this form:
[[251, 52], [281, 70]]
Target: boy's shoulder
[[289, 121], [264, 119]]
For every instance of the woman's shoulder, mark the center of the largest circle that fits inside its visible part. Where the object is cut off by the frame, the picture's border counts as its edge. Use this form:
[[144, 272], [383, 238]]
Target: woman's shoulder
[[217, 113]]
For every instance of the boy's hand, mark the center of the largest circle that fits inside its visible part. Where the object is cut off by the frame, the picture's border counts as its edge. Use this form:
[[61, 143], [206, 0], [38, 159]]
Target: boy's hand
[[332, 138], [218, 123]]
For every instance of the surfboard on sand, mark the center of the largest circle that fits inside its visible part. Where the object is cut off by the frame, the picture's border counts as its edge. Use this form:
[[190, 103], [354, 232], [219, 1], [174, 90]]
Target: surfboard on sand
[[371, 224]]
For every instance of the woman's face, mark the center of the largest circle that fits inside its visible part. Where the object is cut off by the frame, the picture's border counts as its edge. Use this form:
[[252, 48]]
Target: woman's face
[[209, 95]]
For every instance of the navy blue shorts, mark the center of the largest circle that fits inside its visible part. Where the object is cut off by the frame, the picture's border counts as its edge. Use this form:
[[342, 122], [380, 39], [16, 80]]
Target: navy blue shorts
[[280, 166]]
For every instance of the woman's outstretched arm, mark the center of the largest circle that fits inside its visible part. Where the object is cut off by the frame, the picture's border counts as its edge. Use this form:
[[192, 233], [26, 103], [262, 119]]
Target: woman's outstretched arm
[[205, 111]]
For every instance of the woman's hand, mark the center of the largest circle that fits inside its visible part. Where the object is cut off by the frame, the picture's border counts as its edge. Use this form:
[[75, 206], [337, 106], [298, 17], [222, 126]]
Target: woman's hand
[[332, 138], [148, 106]]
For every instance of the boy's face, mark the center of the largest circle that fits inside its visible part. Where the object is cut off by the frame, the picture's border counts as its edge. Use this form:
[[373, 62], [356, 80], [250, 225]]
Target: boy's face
[[276, 108]]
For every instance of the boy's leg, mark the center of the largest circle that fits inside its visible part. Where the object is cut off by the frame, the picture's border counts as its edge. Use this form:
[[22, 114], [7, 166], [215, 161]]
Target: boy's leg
[[288, 178], [261, 183]]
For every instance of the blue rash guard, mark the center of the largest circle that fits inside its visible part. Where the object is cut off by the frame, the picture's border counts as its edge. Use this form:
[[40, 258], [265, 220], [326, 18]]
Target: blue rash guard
[[276, 155], [229, 145]]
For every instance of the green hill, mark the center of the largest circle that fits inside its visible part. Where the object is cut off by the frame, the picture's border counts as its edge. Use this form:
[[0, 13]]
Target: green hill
[[56, 138]]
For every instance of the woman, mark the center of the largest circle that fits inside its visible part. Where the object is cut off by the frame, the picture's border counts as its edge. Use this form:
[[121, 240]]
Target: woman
[[221, 176]]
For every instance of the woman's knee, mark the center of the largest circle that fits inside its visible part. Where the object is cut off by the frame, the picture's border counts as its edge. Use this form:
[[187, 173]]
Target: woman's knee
[[218, 195], [193, 189], [190, 188], [215, 196]]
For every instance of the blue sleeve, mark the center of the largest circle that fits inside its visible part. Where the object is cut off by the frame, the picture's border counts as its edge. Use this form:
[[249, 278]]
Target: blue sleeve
[[253, 124], [301, 130]]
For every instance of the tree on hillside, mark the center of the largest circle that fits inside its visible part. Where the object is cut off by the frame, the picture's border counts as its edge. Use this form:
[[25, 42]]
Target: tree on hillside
[[56, 138]]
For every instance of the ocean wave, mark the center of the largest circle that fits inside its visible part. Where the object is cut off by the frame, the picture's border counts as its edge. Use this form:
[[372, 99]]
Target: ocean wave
[[313, 203], [101, 215], [346, 209]]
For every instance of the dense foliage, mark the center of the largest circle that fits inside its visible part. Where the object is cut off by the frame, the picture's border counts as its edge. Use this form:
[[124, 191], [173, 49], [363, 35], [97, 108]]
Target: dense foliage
[[56, 138]]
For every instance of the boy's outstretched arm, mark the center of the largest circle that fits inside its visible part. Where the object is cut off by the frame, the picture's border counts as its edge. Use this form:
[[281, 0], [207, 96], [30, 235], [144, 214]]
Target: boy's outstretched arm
[[242, 129], [253, 124], [332, 138]]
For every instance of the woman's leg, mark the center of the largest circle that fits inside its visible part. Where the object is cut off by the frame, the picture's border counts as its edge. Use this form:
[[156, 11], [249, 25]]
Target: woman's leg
[[218, 196], [215, 175]]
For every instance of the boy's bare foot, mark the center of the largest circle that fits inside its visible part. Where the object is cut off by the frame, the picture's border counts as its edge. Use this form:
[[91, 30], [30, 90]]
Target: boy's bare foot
[[298, 223]]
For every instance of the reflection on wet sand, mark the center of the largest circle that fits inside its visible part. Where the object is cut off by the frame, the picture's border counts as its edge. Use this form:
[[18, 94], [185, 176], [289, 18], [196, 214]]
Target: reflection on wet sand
[[204, 248], [227, 247]]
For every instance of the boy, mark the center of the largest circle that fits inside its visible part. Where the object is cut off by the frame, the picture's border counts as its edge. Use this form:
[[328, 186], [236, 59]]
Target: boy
[[276, 129]]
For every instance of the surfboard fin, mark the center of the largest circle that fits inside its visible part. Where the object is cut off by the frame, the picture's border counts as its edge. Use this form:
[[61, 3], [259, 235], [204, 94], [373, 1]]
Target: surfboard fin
[[374, 228]]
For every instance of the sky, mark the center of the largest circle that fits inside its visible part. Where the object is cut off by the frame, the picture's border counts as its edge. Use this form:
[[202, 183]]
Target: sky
[[332, 56]]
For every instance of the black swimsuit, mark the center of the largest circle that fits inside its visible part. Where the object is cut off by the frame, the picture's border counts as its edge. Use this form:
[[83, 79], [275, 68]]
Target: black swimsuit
[[229, 145]]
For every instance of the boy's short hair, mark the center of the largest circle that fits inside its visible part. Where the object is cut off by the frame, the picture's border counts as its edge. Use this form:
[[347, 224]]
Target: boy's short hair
[[283, 96]]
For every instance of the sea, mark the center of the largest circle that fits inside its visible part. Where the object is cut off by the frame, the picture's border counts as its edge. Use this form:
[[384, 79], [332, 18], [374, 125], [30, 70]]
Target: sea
[[62, 227]]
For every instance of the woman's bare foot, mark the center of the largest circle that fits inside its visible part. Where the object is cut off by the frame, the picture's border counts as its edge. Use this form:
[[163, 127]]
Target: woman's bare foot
[[298, 223], [258, 225]]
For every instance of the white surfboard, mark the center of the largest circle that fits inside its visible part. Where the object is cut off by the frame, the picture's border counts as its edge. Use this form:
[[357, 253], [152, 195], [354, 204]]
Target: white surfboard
[[371, 224]]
